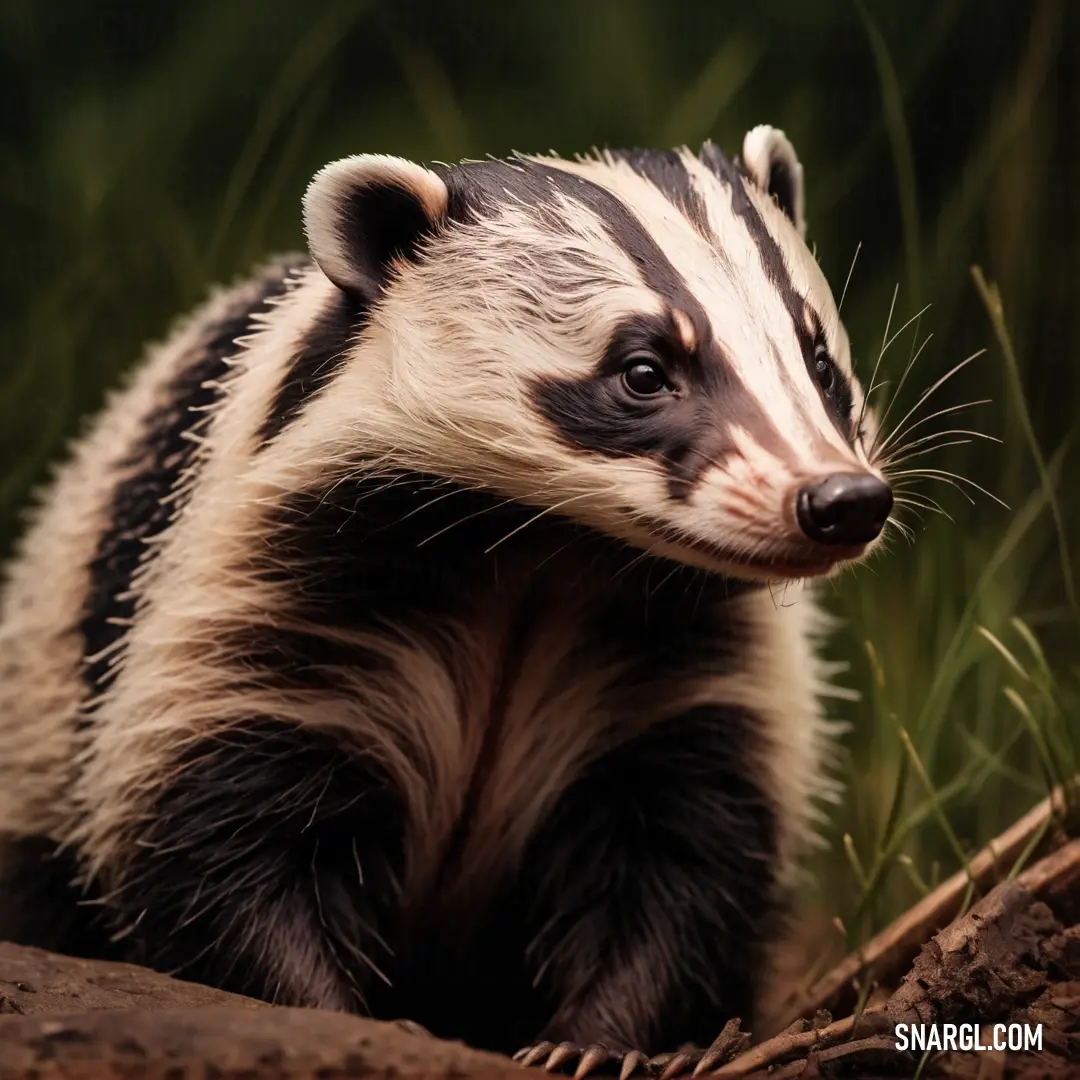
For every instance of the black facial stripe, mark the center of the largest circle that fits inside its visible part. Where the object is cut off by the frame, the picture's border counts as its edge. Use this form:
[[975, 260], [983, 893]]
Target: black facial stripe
[[845, 399], [686, 440], [587, 413], [627, 231], [686, 436], [772, 262], [657, 335], [772, 259], [685, 432], [141, 507], [481, 187], [667, 171], [320, 356]]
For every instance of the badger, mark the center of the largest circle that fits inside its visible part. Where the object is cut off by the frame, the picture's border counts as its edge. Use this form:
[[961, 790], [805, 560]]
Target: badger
[[426, 629]]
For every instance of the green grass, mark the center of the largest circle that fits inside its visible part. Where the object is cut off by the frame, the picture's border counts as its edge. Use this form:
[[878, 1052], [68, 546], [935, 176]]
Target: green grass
[[156, 151]]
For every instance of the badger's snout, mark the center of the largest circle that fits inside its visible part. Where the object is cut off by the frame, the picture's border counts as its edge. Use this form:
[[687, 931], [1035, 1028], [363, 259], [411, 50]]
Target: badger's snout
[[845, 508]]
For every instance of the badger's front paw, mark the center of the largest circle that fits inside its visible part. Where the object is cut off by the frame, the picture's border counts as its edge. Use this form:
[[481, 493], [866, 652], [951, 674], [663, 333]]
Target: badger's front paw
[[585, 1060]]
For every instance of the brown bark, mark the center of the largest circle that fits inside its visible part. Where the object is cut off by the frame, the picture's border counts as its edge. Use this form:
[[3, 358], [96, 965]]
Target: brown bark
[[229, 1042], [89, 1020]]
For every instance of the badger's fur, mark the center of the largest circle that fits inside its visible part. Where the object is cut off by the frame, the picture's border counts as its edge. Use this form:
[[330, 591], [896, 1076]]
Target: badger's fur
[[401, 638]]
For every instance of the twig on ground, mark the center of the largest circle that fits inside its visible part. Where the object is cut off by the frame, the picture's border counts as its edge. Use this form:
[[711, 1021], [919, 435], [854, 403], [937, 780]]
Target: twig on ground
[[889, 954], [988, 948]]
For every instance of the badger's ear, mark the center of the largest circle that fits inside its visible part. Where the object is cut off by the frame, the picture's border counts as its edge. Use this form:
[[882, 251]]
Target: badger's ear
[[362, 213], [770, 161]]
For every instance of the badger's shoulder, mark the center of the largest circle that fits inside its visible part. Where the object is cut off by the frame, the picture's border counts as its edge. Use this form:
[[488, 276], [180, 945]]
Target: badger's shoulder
[[67, 592]]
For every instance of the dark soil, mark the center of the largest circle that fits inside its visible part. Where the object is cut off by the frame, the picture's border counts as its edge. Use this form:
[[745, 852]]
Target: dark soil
[[1014, 958]]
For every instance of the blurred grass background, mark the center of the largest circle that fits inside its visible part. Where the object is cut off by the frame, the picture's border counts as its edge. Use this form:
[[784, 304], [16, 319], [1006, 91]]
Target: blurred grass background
[[148, 150]]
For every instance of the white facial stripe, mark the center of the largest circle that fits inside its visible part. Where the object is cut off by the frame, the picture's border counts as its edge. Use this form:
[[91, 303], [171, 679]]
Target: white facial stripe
[[728, 280], [777, 375]]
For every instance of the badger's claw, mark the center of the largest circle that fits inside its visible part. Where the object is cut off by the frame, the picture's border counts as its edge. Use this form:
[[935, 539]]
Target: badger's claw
[[587, 1060], [667, 1066], [690, 1059], [596, 1057], [531, 1055], [633, 1062]]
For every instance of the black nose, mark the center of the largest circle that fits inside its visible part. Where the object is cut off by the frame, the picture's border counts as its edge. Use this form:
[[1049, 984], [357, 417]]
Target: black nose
[[847, 508]]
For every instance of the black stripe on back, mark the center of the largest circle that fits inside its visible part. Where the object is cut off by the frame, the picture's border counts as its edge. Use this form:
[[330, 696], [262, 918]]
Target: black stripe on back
[[320, 356], [141, 508], [775, 267], [665, 169]]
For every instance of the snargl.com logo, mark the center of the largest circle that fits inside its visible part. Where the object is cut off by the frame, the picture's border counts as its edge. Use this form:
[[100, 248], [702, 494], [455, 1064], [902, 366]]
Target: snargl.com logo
[[921, 1038]]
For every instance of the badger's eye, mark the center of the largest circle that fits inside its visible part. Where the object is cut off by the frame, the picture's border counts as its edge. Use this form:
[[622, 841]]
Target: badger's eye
[[644, 377], [824, 369]]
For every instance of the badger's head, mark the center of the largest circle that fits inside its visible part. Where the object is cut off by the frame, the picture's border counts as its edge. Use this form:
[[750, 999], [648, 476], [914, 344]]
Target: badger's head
[[638, 340]]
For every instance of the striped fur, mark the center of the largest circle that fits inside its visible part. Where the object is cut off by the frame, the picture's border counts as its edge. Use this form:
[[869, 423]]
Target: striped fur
[[375, 651]]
